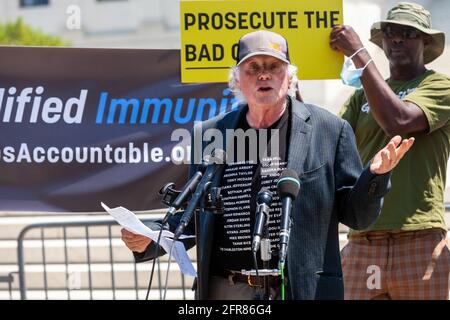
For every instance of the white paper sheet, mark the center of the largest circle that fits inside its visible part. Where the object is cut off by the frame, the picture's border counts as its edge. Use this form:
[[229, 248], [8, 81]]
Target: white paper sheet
[[129, 221]]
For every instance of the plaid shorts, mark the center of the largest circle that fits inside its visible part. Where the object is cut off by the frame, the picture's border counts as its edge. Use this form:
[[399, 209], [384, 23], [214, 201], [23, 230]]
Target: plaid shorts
[[397, 265]]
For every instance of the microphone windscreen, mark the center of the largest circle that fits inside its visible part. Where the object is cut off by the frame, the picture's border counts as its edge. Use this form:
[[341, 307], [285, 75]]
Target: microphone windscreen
[[288, 184]]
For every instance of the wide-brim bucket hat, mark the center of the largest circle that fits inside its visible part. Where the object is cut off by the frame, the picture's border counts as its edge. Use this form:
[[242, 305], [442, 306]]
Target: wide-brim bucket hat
[[416, 16]]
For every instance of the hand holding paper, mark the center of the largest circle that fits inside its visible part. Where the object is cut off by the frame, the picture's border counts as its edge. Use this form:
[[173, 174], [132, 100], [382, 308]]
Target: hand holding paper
[[129, 221]]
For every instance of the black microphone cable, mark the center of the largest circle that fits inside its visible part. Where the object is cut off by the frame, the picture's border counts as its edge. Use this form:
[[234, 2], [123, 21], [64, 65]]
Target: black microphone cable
[[178, 202], [154, 261], [168, 269], [210, 165]]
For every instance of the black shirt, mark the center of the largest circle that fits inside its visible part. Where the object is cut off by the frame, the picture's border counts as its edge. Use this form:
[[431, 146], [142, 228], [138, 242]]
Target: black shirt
[[241, 182]]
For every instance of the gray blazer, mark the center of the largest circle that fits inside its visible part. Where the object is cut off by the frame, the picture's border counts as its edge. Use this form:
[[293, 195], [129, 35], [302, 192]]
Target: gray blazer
[[333, 188]]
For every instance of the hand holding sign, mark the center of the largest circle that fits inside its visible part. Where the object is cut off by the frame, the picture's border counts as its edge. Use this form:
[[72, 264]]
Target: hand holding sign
[[344, 39]]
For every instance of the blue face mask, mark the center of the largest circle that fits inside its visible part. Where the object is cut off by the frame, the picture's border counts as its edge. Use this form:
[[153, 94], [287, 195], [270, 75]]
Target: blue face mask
[[350, 75]]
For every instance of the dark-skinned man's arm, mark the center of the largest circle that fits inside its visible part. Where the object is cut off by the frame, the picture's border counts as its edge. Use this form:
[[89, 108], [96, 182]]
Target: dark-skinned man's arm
[[394, 115]]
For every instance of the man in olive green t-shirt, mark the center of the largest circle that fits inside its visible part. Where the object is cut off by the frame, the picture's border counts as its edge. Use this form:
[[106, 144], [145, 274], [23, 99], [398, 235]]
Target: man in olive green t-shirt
[[403, 255]]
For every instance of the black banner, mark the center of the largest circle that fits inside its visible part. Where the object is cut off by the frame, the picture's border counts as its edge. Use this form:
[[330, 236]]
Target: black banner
[[84, 126]]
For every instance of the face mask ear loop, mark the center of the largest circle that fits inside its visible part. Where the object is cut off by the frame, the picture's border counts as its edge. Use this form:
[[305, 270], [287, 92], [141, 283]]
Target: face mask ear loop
[[356, 52], [364, 68]]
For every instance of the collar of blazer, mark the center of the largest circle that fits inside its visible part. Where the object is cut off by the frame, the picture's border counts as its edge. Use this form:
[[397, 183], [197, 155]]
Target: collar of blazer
[[300, 133], [231, 120]]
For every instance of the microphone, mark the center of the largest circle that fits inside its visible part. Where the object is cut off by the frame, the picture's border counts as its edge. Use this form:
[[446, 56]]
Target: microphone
[[188, 189], [263, 201], [288, 186], [216, 161]]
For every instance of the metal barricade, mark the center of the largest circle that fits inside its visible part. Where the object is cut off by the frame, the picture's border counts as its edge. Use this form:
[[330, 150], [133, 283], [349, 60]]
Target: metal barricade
[[137, 288], [136, 284], [9, 279]]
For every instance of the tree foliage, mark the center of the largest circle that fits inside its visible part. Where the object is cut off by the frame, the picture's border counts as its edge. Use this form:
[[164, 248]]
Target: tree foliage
[[20, 34]]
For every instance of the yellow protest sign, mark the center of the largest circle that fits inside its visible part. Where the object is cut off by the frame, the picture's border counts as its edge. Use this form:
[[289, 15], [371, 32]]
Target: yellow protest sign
[[210, 30]]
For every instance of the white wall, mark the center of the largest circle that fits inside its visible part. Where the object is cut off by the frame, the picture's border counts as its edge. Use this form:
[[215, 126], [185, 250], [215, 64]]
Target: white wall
[[97, 17]]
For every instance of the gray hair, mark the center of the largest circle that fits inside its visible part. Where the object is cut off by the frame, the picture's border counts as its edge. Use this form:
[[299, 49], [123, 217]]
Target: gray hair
[[233, 77]]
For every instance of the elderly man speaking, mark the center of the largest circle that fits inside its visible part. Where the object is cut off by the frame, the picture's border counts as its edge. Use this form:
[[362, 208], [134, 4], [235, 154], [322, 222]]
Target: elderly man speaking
[[314, 144]]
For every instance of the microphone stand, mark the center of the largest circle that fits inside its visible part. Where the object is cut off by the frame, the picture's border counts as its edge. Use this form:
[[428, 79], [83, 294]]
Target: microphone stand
[[266, 255], [211, 201], [197, 214]]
